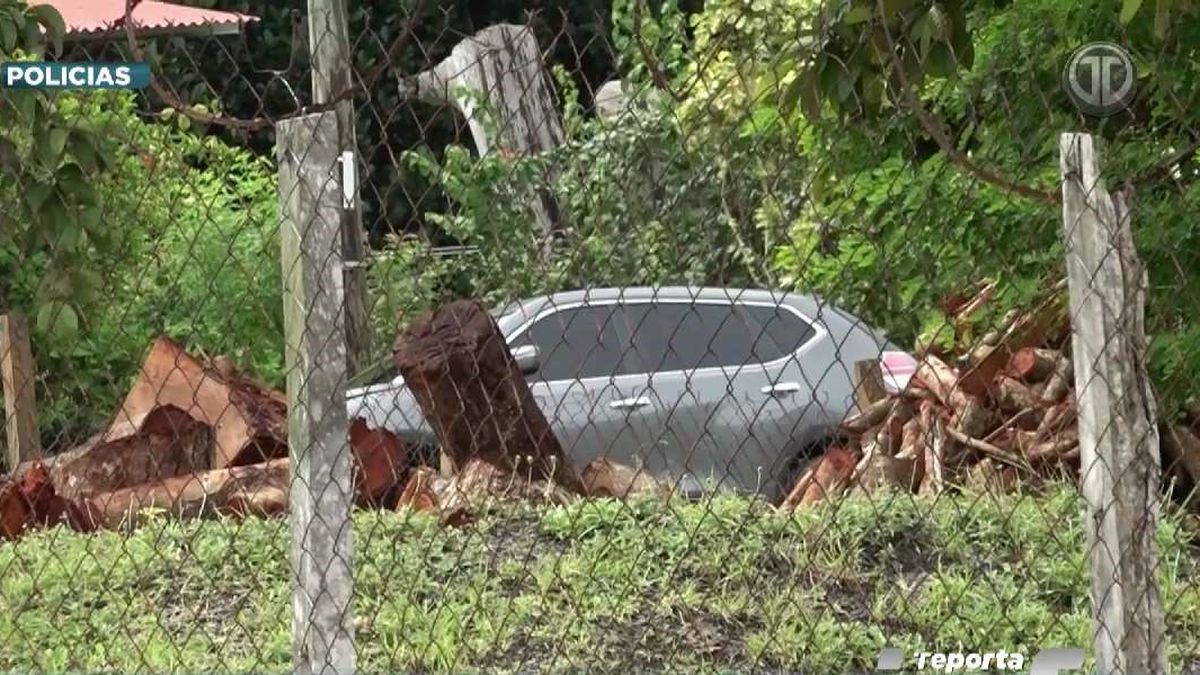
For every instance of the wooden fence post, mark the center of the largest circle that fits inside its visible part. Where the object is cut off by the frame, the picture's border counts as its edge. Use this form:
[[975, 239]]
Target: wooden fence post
[[315, 347], [18, 376], [1118, 438]]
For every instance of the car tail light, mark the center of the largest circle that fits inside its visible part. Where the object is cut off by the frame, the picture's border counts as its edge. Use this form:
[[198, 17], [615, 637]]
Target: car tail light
[[897, 368]]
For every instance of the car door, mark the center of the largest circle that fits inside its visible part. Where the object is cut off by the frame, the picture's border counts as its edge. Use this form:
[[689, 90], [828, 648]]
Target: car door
[[583, 350], [726, 388]]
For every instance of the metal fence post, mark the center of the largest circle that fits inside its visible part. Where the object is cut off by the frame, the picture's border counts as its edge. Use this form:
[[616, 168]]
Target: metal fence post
[[321, 488], [1117, 434]]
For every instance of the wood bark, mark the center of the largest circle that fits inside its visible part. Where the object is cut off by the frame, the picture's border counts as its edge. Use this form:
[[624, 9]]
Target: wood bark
[[381, 460], [257, 489], [1032, 364], [606, 478], [162, 443], [464, 378], [248, 420], [827, 476], [868, 383]]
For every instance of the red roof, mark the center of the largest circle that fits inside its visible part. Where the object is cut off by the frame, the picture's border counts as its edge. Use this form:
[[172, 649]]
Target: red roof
[[96, 17]]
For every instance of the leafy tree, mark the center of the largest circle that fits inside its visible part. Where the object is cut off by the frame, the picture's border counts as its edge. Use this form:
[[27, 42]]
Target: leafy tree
[[926, 134], [51, 218]]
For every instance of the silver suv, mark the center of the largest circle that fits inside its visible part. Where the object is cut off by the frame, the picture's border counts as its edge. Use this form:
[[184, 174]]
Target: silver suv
[[705, 387]]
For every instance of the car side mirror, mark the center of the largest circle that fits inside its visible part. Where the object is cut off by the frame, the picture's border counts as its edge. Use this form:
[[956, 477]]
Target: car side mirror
[[527, 358]]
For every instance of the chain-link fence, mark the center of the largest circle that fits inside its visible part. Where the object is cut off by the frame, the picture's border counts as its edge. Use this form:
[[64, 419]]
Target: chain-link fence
[[750, 336]]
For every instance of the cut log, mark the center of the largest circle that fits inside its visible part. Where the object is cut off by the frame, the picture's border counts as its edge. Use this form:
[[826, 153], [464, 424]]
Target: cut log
[[1032, 365], [933, 477], [987, 449], [161, 443], [14, 510], [249, 421], [868, 418], [381, 462], [1012, 396], [459, 369], [606, 478], [1053, 451], [878, 469], [33, 503], [868, 383], [421, 491], [1181, 452], [1056, 419], [974, 418], [1044, 324], [890, 431], [942, 380], [257, 489], [828, 476], [912, 451], [458, 498], [1060, 382]]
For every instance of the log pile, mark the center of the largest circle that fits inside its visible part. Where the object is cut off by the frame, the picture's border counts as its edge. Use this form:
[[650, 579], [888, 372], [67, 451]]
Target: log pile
[[1000, 416], [193, 439]]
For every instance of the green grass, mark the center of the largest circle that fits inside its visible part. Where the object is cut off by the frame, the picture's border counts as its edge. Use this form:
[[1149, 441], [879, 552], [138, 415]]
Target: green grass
[[721, 585]]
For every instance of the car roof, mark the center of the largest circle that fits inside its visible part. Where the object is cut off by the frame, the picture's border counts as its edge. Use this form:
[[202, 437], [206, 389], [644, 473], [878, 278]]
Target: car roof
[[834, 320]]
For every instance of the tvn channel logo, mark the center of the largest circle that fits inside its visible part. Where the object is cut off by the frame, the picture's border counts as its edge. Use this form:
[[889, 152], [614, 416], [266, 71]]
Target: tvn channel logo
[[91, 75]]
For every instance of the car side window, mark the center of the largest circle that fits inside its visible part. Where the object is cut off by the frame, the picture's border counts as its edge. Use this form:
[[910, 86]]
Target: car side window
[[685, 336], [783, 332], [580, 342]]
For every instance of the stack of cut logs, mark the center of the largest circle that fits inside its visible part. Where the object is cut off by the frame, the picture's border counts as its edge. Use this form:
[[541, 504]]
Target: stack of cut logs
[[190, 438], [1001, 417]]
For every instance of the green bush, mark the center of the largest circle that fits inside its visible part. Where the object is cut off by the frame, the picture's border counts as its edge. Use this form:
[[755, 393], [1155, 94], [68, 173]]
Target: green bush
[[638, 205], [193, 254]]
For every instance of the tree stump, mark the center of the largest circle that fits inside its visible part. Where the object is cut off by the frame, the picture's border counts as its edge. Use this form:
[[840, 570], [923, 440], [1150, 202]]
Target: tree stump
[[458, 366]]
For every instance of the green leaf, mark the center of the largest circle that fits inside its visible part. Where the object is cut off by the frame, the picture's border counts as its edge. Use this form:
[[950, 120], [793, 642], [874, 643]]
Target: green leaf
[[1162, 18], [24, 103], [8, 36], [89, 217], [34, 43], [9, 162], [940, 62], [52, 21], [73, 182], [36, 196], [858, 14], [80, 145], [58, 319], [1128, 9], [56, 140]]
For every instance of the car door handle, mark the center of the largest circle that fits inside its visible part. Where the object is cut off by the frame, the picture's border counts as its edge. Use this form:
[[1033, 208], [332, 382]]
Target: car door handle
[[781, 388], [629, 403]]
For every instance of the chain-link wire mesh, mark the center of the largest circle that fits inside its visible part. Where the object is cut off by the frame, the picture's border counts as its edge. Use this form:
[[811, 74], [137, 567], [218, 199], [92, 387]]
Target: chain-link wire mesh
[[602, 335]]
